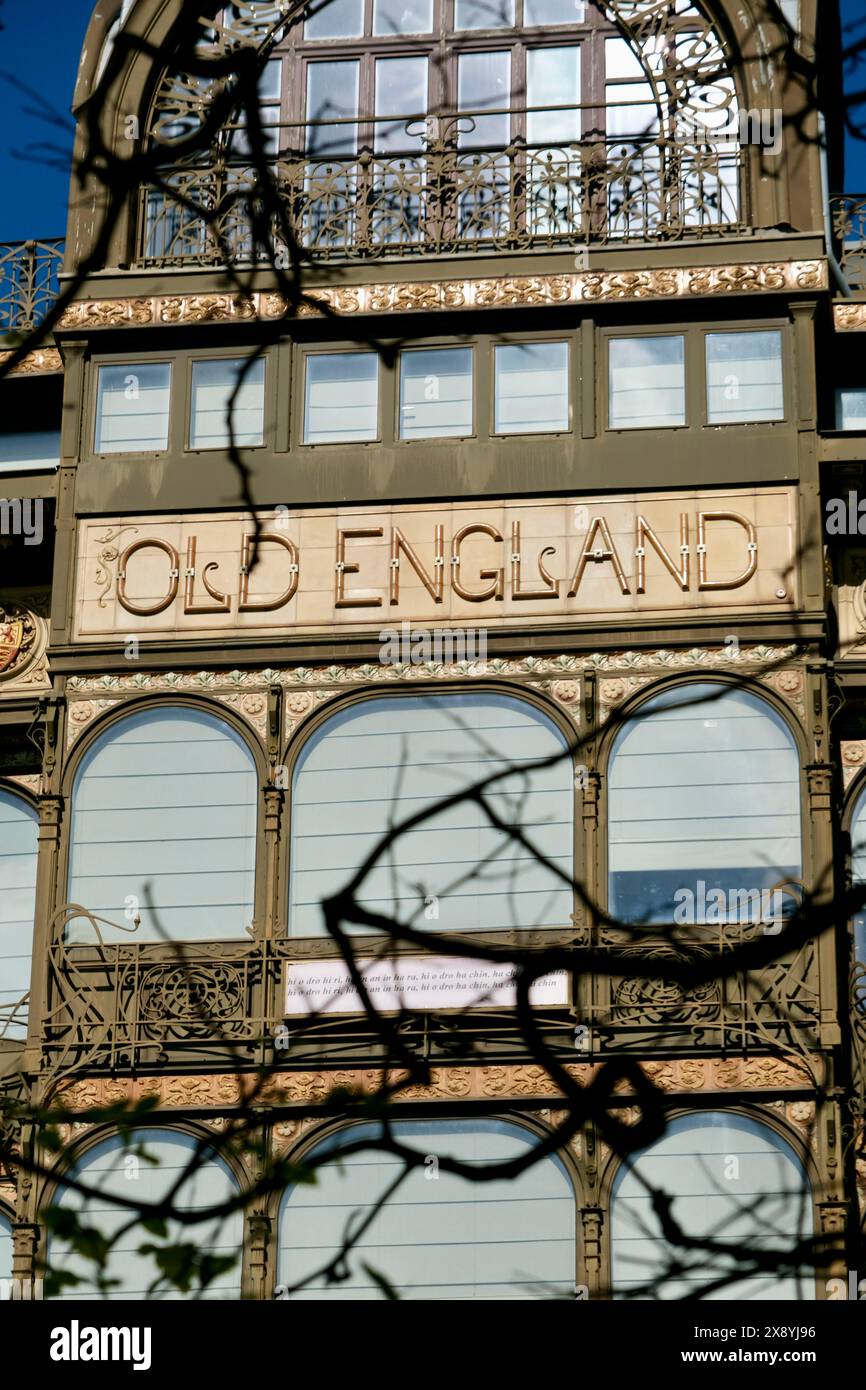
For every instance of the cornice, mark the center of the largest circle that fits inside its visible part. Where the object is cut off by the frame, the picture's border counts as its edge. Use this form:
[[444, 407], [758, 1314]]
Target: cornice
[[504, 292]]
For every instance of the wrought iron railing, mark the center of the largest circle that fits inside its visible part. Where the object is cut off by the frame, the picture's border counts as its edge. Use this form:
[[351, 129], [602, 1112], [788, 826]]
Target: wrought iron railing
[[849, 229], [436, 191], [29, 282]]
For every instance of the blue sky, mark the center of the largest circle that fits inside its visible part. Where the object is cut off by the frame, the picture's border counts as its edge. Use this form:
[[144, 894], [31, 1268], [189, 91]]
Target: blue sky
[[40, 44]]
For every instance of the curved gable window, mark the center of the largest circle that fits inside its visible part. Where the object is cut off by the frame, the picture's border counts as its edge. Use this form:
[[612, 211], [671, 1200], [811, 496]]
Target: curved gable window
[[19, 848], [704, 808], [733, 1181], [205, 1183], [448, 1239], [379, 763], [165, 802]]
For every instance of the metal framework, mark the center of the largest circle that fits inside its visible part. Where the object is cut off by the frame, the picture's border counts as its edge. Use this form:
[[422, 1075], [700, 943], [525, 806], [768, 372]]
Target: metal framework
[[29, 282]]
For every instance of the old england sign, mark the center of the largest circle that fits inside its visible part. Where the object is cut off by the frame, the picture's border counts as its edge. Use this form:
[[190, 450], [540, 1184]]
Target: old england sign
[[496, 563]]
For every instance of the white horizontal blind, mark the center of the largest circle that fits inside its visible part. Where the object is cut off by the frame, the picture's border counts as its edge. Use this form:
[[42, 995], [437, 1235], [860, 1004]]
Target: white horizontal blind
[[531, 394], [106, 1168], [647, 382], [29, 451], [341, 400], [744, 377], [732, 1180], [167, 797], [850, 409], [858, 872], [380, 762], [704, 785], [435, 393], [132, 408], [449, 1239], [213, 384], [19, 848]]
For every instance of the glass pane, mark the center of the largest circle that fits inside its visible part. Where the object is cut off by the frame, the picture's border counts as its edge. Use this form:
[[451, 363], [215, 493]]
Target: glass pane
[[531, 394], [850, 410], [373, 765], [335, 19], [484, 14], [552, 76], [332, 96], [450, 1239], [402, 16], [767, 1206], [647, 383], [744, 377], [631, 111], [435, 393], [132, 408], [270, 82], [484, 84], [164, 804], [536, 12], [620, 60], [19, 847], [858, 875], [5, 1249], [213, 384], [29, 451], [105, 1170], [341, 400], [401, 92], [680, 831]]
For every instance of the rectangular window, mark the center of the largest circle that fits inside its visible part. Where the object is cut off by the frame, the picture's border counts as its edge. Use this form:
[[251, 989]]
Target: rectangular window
[[484, 85], [484, 14], [132, 408], [402, 17], [435, 393], [29, 451], [213, 383], [341, 397], [552, 76], [850, 409], [546, 12], [531, 388], [401, 103], [647, 388], [744, 377], [332, 106], [334, 19]]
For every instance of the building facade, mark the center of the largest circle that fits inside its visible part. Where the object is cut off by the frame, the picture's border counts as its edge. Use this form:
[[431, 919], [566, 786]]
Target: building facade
[[548, 407]]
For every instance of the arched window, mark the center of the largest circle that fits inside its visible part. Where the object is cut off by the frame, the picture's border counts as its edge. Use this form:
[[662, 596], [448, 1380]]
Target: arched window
[[858, 872], [5, 1248], [733, 1181], [114, 1169], [376, 764], [703, 808], [438, 125], [445, 1239], [19, 849], [165, 801]]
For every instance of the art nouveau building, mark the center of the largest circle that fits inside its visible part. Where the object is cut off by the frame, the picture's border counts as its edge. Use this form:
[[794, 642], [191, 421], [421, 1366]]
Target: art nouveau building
[[570, 380]]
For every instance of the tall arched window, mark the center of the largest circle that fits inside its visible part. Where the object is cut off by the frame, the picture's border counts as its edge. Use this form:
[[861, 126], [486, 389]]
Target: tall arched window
[[445, 1239], [704, 799], [165, 801], [858, 872], [376, 764], [19, 849], [733, 1181], [447, 124], [114, 1170], [5, 1248]]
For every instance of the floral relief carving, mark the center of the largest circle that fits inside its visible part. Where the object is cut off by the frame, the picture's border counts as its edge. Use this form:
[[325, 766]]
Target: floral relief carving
[[82, 713], [853, 758], [850, 317], [42, 360]]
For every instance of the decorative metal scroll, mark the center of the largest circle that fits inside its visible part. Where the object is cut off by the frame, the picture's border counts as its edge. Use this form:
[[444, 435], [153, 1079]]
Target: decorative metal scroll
[[29, 282]]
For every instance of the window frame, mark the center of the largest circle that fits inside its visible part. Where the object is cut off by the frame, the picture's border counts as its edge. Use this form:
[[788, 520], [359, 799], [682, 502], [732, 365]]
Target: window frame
[[474, 347], [607, 335], [772, 325], [571, 339], [133, 359], [319, 947], [31, 804], [328, 349], [268, 400]]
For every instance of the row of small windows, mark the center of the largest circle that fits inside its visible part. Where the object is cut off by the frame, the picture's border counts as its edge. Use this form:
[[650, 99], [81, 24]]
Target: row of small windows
[[437, 391], [454, 1239]]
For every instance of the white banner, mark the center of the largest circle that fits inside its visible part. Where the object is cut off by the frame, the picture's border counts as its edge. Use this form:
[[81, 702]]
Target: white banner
[[412, 982]]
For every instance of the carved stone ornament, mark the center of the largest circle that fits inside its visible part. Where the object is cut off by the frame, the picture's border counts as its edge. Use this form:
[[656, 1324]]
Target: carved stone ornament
[[505, 292], [850, 316], [42, 361], [23, 642], [853, 759]]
